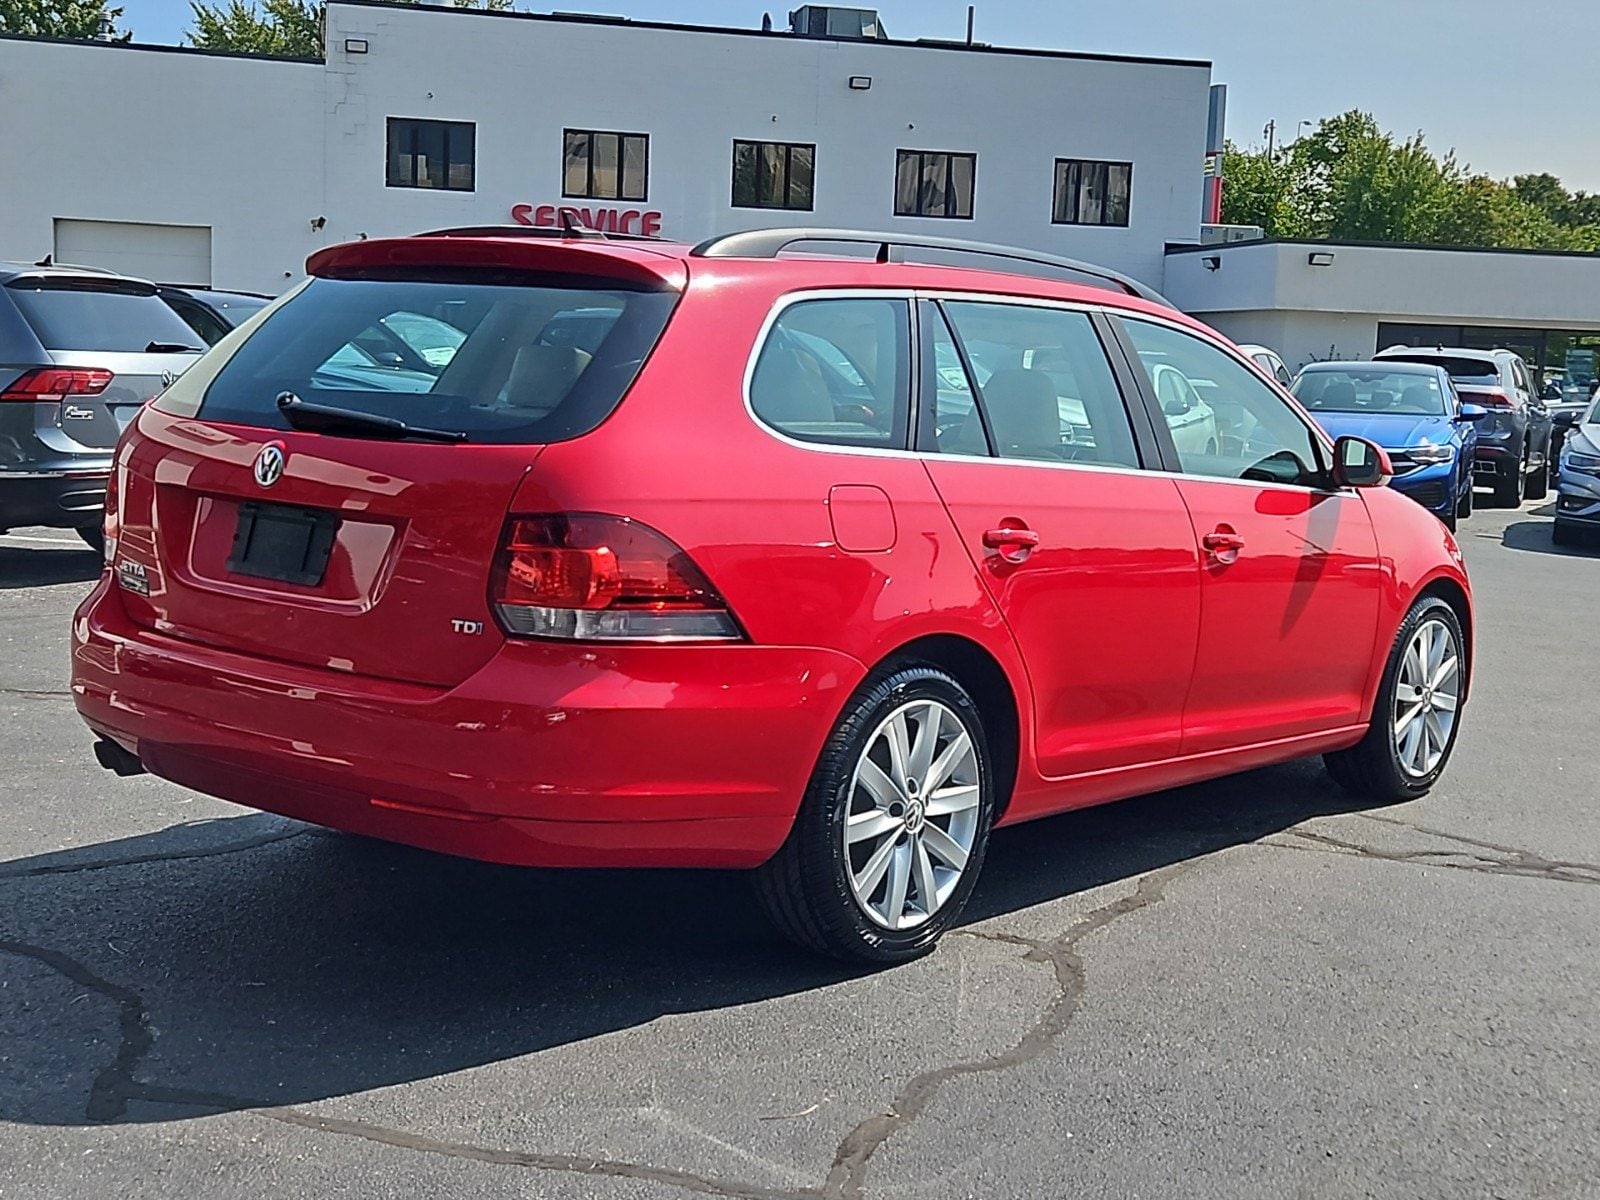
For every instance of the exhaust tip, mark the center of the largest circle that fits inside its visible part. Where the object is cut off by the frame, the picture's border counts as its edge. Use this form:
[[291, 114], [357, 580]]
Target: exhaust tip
[[113, 757]]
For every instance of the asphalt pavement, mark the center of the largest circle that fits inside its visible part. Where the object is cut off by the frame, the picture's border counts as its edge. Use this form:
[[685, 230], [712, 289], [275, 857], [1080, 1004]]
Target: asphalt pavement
[[1249, 988]]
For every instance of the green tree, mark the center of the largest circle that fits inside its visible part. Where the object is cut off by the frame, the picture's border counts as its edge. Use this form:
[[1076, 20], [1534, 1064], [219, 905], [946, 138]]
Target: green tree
[[1350, 180], [80, 19], [292, 28]]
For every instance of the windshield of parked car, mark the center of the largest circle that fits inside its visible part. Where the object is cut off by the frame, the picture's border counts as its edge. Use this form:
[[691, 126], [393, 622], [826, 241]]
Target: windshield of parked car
[[496, 361], [1415, 393], [123, 316]]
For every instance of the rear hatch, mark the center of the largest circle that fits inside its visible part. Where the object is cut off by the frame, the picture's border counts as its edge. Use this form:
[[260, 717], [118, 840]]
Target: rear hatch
[[125, 344], [1478, 382], [306, 531]]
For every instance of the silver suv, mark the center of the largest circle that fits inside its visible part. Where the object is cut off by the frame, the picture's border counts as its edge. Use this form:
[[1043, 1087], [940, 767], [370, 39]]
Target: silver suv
[[1513, 454], [80, 351]]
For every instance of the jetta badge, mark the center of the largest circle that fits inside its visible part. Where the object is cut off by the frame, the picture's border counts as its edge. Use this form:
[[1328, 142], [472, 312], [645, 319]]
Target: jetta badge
[[270, 463]]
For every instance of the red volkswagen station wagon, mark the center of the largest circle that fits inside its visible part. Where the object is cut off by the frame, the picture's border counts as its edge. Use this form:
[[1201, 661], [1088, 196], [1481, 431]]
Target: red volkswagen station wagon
[[563, 551]]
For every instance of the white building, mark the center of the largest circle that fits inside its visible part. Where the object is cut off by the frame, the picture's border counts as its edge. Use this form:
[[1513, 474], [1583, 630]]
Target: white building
[[1332, 300], [229, 170]]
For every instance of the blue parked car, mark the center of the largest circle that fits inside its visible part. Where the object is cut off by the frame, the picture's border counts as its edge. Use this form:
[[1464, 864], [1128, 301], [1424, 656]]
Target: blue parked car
[[1414, 412]]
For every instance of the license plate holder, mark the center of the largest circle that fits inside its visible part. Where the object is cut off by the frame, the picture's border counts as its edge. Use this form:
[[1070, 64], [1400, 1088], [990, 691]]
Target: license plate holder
[[283, 543]]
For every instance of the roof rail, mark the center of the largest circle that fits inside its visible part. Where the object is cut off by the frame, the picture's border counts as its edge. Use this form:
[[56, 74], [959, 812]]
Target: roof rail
[[769, 243]]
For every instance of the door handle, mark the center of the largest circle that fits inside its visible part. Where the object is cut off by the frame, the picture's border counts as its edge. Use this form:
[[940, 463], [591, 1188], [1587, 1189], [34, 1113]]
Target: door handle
[[1014, 545], [1223, 544]]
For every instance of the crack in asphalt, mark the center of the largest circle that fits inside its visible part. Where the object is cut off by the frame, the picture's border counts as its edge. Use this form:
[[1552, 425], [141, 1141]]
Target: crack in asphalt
[[115, 1085], [847, 1176], [112, 1086], [35, 693], [133, 860], [1520, 863]]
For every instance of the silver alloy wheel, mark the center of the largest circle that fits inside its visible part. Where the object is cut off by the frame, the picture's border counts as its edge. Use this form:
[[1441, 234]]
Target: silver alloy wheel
[[1427, 697], [912, 814]]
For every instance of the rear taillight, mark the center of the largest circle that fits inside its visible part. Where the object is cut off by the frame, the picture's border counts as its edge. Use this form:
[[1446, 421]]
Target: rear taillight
[[1493, 398], [49, 384], [111, 525], [593, 577]]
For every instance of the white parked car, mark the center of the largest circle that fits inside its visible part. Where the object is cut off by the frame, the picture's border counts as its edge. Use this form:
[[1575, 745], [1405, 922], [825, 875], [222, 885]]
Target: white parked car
[[1269, 362]]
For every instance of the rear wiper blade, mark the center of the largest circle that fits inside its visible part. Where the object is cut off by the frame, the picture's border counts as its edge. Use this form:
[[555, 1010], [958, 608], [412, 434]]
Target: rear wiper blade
[[172, 348], [326, 418]]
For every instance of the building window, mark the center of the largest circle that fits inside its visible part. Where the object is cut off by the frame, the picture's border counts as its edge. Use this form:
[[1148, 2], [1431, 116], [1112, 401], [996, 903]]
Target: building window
[[605, 166], [1092, 193], [432, 154], [932, 183], [773, 175]]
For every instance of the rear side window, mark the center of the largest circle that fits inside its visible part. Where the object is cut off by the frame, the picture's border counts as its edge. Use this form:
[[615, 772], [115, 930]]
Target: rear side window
[[110, 315], [837, 372], [497, 361], [1042, 381]]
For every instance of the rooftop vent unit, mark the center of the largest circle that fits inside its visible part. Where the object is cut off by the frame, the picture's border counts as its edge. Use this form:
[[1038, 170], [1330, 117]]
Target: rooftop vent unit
[[1222, 235], [826, 21]]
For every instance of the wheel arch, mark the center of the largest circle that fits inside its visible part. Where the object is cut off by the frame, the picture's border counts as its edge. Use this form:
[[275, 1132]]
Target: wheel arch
[[981, 674], [1453, 594]]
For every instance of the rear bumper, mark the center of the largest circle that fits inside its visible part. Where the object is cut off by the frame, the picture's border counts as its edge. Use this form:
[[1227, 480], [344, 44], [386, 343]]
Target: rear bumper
[[64, 499], [551, 755]]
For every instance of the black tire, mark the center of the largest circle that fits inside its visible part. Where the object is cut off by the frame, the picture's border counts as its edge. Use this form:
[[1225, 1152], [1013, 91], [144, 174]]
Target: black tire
[[805, 888], [1563, 534], [1464, 505], [1371, 768], [94, 536], [1450, 520], [1508, 488], [1538, 486]]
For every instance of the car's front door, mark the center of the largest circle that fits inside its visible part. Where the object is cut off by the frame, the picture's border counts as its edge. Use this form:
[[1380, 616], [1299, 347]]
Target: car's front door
[[1290, 582], [1090, 559]]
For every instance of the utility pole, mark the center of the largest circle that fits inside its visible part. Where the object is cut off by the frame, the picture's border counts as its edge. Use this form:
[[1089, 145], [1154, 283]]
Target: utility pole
[[1270, 132]]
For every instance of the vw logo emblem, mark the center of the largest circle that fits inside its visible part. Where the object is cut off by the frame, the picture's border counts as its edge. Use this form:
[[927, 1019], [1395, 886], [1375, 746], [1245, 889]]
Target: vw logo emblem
[[269, 464], [167, 380]]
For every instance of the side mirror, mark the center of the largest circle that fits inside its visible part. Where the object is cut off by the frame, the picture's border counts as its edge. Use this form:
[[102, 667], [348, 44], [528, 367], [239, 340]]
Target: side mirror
[[1174, 408], [1359, 463], [1472, 412], [1552, 391], [1566, 420]]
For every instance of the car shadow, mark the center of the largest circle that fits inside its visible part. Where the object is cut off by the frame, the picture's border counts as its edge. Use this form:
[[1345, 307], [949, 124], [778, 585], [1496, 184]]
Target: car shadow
[[46, 566], [1536, 536], [279, 964]]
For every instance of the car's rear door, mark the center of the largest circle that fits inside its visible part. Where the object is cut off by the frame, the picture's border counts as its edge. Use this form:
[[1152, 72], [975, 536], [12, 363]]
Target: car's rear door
[[1290, 585], [1090, 559]]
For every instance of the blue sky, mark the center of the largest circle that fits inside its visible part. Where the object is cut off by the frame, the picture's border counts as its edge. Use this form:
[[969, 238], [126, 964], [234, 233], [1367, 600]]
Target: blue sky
[[1511, 87]]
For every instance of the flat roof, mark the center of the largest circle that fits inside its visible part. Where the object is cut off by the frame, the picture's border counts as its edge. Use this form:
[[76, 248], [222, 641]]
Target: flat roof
[[621, 22], [161, 48], [1337, 244]]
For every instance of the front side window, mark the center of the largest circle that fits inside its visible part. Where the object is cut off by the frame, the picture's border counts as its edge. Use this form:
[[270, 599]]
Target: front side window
[[432, 154], [1092, 193], [837, 372], [774, 175], [605, 166], [1225, 421], [934, 183], [1042, 382]]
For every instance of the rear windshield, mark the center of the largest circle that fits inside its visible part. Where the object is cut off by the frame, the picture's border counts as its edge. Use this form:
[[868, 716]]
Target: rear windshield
[[521, 359], [80, 314], [1413, 393], [1462, 370]]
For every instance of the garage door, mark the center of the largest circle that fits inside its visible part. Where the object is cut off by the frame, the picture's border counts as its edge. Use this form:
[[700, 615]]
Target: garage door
[[160, 253]]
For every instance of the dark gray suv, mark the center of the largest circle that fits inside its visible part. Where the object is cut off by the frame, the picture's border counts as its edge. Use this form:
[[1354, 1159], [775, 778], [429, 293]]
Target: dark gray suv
[[1513, 454], [80, 351]]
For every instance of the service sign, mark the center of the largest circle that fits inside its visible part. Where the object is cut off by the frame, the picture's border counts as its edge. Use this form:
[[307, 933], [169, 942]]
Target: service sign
[[607, 220]]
